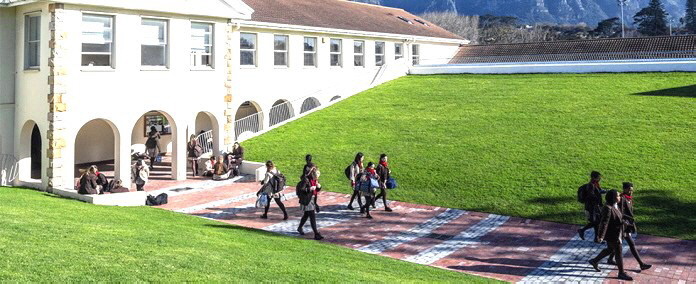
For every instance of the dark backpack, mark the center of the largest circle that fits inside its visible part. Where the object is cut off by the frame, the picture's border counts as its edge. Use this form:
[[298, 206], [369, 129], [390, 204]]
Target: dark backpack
[[280, 182], [156, 201], [347, 171], [581, 193]]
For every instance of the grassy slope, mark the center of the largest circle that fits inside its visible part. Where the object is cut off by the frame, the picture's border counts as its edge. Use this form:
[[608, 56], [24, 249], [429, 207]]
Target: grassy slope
[[513, 144], [44, 238]]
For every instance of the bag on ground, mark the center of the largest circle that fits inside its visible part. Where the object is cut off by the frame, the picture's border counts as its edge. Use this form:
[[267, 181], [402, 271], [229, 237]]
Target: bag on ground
[[161, 199], [391, 183]]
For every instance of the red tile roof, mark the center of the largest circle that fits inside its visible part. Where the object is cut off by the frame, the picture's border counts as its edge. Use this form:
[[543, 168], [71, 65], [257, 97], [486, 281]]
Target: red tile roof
[[346, 15], [580, 50]]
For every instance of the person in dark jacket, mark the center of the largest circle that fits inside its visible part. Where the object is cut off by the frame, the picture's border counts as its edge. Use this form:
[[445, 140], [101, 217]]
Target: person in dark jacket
[[305, 171], [592, 197], [355, 169], [626, 207], [384, 174], [611, 229], [306, 192], [235, 158], [195, 151], [370, 173], [220, 171], [88, 182], [272, 190], [152, 145]]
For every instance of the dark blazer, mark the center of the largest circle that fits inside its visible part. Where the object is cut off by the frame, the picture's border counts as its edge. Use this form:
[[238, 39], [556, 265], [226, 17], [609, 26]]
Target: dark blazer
[[303, 193], [88, 184], [593, 197], [611, 225], [626, 207], [194, 149], [383, 173], [152, 139], [238, 154]]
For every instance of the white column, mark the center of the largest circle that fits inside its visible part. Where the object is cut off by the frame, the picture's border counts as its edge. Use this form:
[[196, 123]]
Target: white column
[[179, 151], [122, 158]]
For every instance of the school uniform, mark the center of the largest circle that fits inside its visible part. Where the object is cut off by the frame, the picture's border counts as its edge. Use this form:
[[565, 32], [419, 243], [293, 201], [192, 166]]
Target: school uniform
[[88, 184], [626, 208], [611, 229], [355, 169]]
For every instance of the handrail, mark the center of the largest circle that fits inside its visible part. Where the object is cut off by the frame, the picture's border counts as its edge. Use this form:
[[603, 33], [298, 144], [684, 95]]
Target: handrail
[[205, 139], [9, 169]]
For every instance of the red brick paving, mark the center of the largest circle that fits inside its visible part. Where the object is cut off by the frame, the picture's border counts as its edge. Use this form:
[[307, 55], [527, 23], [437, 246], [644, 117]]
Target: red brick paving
[[508, 253]]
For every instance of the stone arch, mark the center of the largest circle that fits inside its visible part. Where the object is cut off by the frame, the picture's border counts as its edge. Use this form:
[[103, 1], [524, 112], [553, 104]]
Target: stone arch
[[30, 152], [248, 118], [309, 104], [207, 130], [282, 110], [168, 146]]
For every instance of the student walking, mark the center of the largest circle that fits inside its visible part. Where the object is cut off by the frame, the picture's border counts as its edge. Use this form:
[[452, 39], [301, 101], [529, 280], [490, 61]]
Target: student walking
[[195, 151], [384, 174], [611, 229], [626, 207], [591, 195], [152, 145], [271, 186], [307, 191], [305, 171], [140, 175], [369, 178], [352, 172]]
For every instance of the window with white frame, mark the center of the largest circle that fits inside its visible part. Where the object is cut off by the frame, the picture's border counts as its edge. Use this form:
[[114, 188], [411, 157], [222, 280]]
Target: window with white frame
[[310, 51], [379, 53], [97, 40], [359, 53], [336, 52], [154, 42], [416, 54], [280, 50], [32, 41], [201, 44], [398, 51], [247, 49]]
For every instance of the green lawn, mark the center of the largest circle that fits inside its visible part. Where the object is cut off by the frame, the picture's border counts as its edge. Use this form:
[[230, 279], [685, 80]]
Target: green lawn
[[517, 145], [44, 238]]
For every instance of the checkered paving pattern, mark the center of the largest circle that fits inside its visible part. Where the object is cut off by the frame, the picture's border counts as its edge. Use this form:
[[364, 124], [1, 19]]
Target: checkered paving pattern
[[501, 247]]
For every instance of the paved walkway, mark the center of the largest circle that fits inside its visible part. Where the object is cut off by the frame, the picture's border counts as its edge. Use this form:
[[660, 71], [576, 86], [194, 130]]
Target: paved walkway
[[505, 248]]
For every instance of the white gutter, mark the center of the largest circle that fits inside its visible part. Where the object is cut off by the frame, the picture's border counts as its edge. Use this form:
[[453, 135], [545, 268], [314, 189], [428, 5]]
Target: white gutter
[[266, 25]]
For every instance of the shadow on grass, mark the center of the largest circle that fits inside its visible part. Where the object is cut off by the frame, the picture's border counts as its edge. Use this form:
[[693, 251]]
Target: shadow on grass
[[247, 229], [684, 92]]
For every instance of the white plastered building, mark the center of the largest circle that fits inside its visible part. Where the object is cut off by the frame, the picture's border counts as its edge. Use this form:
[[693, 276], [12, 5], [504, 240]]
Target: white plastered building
[[81, 80]]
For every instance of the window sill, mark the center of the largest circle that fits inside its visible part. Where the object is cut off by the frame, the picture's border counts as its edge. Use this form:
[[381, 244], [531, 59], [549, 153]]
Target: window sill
[[202, 69], [248, 67], [154, 68], [281, 67], [32, 70], [97, 69]]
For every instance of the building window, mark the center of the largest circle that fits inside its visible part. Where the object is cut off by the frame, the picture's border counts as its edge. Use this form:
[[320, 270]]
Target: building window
[[280, 50], [336, 48], [416, 54], [379, 53], [97, 40], [154, 45], [310, 51], [32, 41], [359, 53], [247, 47], [398, 51], [202, 45]]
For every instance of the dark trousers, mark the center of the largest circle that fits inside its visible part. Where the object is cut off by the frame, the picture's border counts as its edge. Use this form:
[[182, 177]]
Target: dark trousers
[[632, 246], [382, 194], [312, 221], [613, 247], [368, 203], [140, 187], [592, 222], [194, 167], [316, 202], [280, 204], [356, 193]]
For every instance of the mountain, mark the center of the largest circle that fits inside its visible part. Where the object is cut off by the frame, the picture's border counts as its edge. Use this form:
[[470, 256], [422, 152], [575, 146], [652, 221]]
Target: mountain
[[537, 11]]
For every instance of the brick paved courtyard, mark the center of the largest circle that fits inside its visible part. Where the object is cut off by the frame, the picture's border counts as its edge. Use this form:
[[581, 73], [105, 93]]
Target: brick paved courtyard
[[501, 247]]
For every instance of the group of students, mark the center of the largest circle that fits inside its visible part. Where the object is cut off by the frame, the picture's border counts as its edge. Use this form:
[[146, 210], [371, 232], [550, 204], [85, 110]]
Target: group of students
[[612, 222], [93, 182], [363, 181], [219, 168]]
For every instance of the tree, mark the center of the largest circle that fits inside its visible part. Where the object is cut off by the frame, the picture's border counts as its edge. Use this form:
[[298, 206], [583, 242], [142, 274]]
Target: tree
[[652, 20], [608, 28], [690, 16]]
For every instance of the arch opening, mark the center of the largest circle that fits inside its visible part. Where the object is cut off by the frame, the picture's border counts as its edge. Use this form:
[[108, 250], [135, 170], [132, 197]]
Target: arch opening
[[35, 153], [309, 104], [30, 152], [248, 119], [159, 154], [96, 143], [281, 111], [207, 132]]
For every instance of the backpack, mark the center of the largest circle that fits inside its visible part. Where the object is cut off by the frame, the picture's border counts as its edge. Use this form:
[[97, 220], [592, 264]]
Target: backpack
[[391, 183], [347, 171], [156, 201], [581, 193], [279, 182]]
